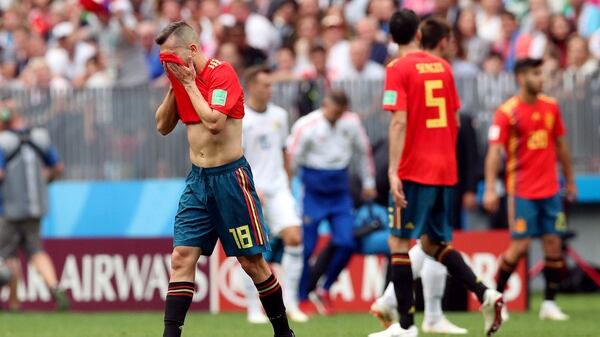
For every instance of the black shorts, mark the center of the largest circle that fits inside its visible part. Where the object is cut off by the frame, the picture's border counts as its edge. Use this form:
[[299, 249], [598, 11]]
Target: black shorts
[[23, 234]]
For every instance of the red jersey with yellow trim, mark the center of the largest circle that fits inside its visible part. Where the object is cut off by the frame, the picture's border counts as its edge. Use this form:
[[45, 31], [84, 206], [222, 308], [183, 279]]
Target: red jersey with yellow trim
[[423, 85], [220, 87], [528, 133]]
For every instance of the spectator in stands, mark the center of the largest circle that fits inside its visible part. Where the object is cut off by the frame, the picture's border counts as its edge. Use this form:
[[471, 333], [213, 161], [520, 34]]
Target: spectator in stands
[[260, 32], [533, 44], [334, 41], [493, 64], [16, 55], [115, 31], [382, 10], [309, 8], [210, 26], [147, 33], [29, 162], [488, 20], [285, 66], [69, 56], [448, 9], [585, 15], [168, 11], [361, 67], [38, 75], [308, 36], [95, 74], [366, 29], [506, 45], [460, 64], [250, 55], [475, 47], [230, 53], [283, 15], [579, 60], [560, 30]]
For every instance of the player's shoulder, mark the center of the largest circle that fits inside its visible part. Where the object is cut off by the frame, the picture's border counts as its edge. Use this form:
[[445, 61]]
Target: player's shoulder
[[218, 68], [548, 100], [393, 63], [276, 110], [309, 119], [509, 106]]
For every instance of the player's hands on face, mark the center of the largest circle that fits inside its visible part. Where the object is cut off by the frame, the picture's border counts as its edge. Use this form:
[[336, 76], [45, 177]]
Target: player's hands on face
[[185, 75], [368, 194], [571, 189], [490, 200], [397, 191]]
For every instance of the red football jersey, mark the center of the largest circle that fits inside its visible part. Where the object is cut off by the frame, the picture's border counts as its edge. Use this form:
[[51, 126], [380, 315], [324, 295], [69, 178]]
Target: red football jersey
[[528, 133], [423, 85], [220, 87]]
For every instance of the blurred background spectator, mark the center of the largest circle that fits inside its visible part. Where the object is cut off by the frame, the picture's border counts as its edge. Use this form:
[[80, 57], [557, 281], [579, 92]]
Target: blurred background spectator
[[118, 35]]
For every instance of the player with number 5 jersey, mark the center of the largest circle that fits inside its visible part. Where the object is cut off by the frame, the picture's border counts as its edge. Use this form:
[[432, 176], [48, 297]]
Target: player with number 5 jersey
[[421, 95]]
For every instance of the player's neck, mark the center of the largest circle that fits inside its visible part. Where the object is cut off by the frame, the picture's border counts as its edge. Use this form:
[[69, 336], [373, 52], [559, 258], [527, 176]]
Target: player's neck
[[408, 48], [200, 62], [257, 105], [527, 97]]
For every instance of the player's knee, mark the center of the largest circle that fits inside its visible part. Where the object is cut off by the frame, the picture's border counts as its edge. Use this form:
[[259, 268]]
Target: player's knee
[[182, 259], [254, 266], [398, 245], [521, 247]]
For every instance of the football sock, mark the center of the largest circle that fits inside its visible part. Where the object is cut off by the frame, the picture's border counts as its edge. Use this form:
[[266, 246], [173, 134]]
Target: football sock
[[433, 277], [179, 298], [402, 279], [553, 271], [417, 260], [271, 297], [291, 263], [504, 271], [459, 269]]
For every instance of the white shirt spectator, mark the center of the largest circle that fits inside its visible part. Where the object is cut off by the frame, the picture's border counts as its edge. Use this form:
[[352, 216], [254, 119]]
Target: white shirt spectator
[[489, 27], [317, 144]]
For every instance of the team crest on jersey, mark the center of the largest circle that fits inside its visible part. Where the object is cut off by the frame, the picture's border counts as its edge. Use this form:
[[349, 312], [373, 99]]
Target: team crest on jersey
[[535, 116], [276, 125], [520, 225], [409, 225], [549, 120]]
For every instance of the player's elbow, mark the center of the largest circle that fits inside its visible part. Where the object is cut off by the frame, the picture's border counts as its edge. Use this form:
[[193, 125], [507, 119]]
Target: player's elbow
[[398, 125], [162, 129], [215, 127]]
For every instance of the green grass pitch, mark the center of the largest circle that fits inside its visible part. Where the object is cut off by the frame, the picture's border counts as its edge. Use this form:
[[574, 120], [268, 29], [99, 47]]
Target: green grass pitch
[[583, 309]]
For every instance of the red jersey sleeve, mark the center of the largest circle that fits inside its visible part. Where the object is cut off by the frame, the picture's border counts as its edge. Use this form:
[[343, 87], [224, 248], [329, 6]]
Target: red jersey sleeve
[[224, 90], [559, 126], [498, 133], [394, 94]]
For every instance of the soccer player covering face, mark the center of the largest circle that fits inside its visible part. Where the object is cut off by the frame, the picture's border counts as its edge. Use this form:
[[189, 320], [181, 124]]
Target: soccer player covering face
[[219, 201], [528, 128], [265, 133], [435, 39], [421, 95]]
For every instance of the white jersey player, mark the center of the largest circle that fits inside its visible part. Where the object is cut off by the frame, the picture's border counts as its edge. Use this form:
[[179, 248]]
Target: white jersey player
[[265, 130]]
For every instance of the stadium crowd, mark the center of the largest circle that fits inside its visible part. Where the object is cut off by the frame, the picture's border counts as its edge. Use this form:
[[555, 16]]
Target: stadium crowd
[[88, 44]]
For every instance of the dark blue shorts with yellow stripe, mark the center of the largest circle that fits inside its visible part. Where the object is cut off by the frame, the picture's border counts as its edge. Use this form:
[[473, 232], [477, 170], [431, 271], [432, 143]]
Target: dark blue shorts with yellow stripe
[[536, 217], [221, 203], [429, 211]]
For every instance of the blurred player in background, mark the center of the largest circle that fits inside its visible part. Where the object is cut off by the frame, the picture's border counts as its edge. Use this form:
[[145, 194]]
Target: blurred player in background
[[529, 129], [435, 39], [28, 162], [420, 92], [321, 146], [265, 131], [219, 201]]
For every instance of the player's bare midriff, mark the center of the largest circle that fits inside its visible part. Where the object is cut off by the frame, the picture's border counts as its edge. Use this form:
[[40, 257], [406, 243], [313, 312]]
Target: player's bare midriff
[[210, 150]]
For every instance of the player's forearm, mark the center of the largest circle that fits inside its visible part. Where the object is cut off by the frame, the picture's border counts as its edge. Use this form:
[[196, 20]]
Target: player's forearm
[[212, 119], [492, 166], [166, 114], [564, 157], [397, 135]]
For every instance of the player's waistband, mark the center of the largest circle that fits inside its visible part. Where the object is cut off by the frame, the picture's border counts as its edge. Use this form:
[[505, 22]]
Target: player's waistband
[[234, 165]]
